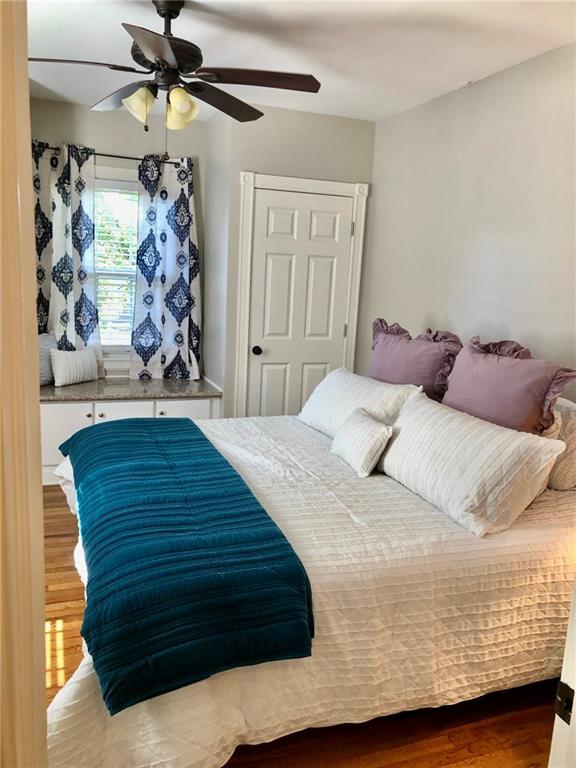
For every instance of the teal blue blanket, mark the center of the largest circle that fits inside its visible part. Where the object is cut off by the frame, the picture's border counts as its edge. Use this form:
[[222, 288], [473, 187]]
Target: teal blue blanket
[[187, 574]]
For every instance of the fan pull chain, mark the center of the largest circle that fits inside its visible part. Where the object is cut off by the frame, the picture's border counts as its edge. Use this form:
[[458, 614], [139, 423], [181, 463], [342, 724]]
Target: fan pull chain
[[166, 156]]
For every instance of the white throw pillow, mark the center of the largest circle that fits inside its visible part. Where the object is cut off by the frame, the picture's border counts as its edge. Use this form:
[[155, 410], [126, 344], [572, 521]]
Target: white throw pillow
[[480, 474], [563, 475], [74, 367], [360, 441], [341, 392], [46, 343]]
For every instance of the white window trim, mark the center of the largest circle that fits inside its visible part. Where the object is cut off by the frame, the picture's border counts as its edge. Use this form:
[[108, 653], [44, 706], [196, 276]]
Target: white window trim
[[116, 356]]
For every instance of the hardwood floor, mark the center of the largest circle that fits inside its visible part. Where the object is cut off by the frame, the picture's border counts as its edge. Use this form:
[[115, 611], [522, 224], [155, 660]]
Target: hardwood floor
[[504, 730], [64, 598]]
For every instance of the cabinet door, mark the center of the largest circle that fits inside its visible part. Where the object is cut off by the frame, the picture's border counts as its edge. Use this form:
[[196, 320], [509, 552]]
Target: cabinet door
[[60, 421], [109, 410], [189, 409]]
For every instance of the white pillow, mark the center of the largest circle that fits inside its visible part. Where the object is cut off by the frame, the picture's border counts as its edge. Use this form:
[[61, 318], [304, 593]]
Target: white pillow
[[480, 474], [46, 343], [360, 441], [341, 392], [74, 367], [563, 475]]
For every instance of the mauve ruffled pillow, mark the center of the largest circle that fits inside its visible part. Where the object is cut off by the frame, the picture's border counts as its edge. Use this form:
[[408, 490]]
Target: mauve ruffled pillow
[[501, 382], [425, 361]]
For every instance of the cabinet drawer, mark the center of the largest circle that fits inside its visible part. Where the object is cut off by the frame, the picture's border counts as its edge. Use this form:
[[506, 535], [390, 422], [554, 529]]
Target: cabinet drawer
[[189, 409], [109, 410], [59, 421]]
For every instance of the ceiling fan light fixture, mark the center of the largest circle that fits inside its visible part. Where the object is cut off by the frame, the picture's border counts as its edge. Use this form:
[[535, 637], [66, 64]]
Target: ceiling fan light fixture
[[180, 100], [140, 103], [175, 121], [169, 58]]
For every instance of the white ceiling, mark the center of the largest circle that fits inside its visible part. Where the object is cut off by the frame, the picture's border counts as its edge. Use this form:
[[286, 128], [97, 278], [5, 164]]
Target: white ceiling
[[373, 58]]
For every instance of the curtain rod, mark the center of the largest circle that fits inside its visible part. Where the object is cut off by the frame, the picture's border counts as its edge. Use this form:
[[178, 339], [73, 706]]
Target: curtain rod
[[119, 157]]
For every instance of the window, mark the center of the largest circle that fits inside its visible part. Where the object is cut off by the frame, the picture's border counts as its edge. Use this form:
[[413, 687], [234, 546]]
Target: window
[[115, 245]]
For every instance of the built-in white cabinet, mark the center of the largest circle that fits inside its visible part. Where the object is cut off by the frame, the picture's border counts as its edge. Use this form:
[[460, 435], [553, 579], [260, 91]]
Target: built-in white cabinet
[[188, 409], [59, 421], [109, 410]]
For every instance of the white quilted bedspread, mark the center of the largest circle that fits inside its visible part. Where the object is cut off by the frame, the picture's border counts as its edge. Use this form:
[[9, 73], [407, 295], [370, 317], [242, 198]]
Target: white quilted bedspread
[[411, 611]]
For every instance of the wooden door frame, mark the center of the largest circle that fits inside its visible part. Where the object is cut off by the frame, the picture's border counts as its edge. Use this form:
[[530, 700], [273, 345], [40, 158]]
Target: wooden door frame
[[249, 183]]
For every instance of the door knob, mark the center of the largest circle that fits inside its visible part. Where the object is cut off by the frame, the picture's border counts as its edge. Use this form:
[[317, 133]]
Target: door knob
[[256, 350]]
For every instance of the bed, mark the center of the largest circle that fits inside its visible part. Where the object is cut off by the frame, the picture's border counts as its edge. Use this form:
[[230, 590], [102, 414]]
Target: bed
[[411, 610]]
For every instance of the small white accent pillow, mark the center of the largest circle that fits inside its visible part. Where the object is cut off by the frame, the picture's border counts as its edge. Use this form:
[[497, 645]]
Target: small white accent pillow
[[563, 475], [74, 367], [480, 474], [46, 343], [341, 392], [360, 441]]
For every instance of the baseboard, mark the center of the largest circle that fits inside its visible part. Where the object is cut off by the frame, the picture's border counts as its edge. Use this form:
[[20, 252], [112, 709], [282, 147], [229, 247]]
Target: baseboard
[[48, 476]]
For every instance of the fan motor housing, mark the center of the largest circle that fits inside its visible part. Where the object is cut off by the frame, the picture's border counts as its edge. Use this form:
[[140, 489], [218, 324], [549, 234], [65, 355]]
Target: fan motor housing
[[188, 55], [168, 8]]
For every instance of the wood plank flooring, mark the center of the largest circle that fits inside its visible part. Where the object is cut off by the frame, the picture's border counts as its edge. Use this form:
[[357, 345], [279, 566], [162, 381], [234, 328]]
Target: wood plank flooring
[[64, 592], [504, 730]]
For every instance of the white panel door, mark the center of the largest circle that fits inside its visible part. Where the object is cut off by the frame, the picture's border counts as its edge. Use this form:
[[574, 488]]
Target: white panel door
[[110, 410], [300, 277], [60, 421]]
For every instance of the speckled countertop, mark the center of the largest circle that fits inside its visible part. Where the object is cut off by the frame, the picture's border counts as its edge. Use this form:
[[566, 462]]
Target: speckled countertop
[[129, 389]]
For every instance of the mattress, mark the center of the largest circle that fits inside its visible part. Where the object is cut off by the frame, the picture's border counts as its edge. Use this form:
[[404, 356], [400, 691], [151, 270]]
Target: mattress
[[411, 611]]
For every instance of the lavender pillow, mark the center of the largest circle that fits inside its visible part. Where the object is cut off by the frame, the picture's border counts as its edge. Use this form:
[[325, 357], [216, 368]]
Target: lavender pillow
[[501, 382], [424, 361]]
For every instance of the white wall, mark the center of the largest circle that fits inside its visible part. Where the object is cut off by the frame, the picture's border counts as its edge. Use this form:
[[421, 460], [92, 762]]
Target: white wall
[[289, 143], [216, 196], [471, 219]]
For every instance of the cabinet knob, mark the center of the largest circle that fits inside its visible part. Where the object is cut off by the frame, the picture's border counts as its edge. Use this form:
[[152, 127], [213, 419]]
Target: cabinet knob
[[101, 415], [161, 413], [256, 350], [88, 415]]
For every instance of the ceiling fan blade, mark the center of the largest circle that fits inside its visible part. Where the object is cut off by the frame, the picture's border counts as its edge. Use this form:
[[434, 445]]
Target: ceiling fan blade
[[152, 45], [118, 67], [223, 101], [289, 80], [114, 99]]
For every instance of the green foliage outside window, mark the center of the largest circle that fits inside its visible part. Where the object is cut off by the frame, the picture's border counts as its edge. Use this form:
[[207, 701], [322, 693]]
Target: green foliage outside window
[[116, 243]]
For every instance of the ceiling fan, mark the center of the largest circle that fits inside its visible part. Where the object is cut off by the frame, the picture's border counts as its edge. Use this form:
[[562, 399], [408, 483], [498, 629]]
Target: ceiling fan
[[173, 61]]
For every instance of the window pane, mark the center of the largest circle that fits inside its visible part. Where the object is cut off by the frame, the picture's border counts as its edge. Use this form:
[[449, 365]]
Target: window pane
[[116, 229], [115, 245], [115, 300]]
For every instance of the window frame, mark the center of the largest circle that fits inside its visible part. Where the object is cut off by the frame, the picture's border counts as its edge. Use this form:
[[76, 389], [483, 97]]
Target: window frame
[[116, 356]]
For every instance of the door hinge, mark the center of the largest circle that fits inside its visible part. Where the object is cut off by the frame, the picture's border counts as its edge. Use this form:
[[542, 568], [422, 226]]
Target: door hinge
[[353, 229], [564, 702], [345, 330]]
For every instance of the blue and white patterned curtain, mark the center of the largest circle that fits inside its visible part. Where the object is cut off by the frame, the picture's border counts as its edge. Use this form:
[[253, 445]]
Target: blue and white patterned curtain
[[64, 183], [166, 331]]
